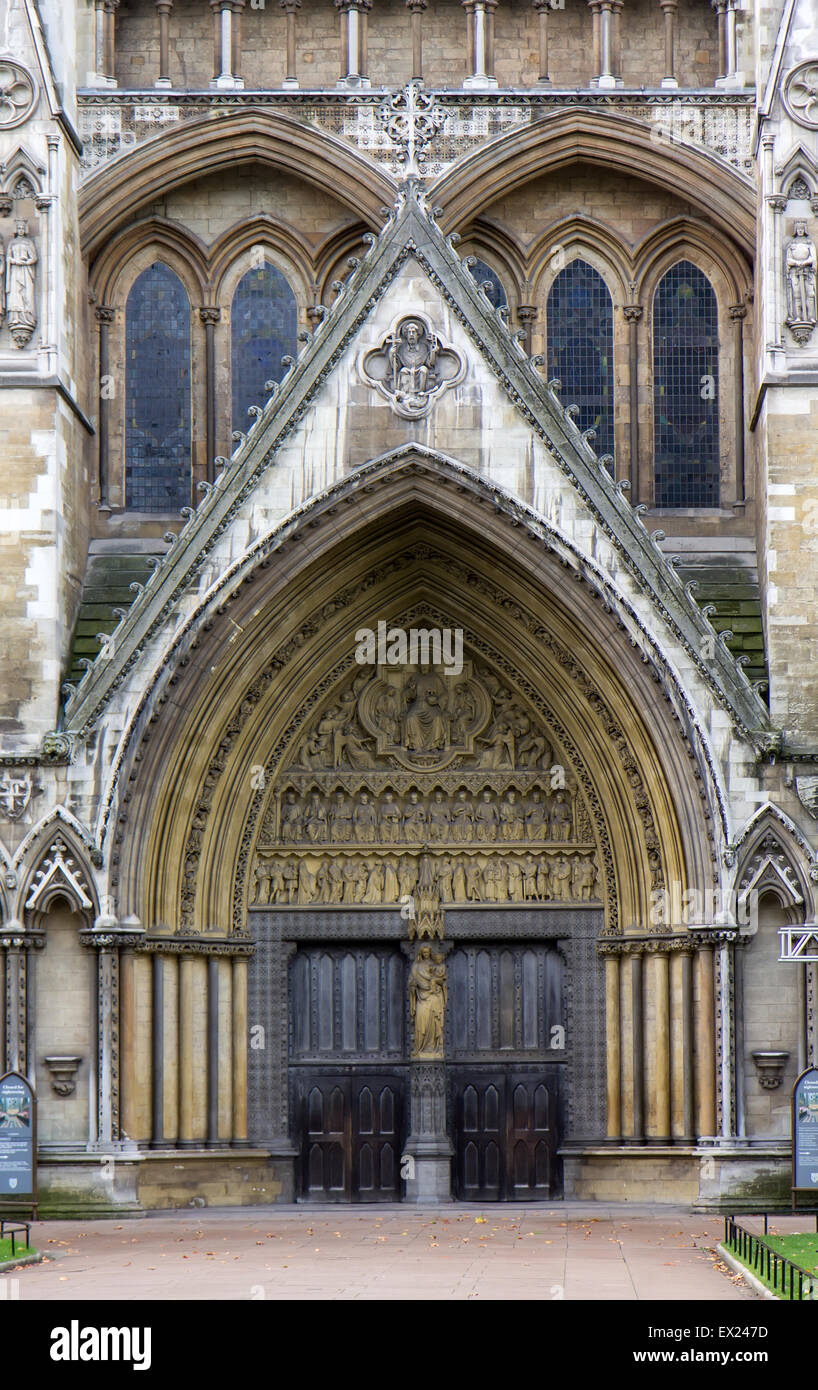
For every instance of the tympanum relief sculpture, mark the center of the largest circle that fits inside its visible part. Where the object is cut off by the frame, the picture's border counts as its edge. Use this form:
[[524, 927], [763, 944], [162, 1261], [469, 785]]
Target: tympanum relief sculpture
[[414, 780]]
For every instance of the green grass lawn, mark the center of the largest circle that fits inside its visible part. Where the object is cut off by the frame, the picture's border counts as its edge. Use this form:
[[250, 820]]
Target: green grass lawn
[[802, 1250], [20, 1248]]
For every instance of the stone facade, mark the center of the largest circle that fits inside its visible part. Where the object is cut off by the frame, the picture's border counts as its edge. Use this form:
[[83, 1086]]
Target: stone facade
[[431, 478]]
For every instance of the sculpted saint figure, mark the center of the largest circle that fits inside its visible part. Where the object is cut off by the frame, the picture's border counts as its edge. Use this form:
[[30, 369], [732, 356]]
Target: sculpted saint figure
[[374, 884], [511, 818], [543, 883], [391, 886], [459, 883], [340, 820], [561, 819], [515, 881], [582, 880], [335, 875], [315, 820], [474, 892], [387, 714], [20, 279], [425, 725], [528, 868], [407, 875], [412, 360], [462, 817], [414, 818], [561, 879], [439, 818], [365, 820], [390, 819], [445, 870], [290, 876], [486, 818], [800, 268], [427, 1002], [290, 819], [535, 817], [465, 712]]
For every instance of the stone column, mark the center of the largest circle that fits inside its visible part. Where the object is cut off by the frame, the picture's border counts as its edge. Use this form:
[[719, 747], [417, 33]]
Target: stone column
[[657, 1045], [15, 941], [596, 44], [727, 1033], [480, 30], [226, 14], [720, 6], [239, 1021], [354, 41], [235, 49], [616, 40], [633, 314], [613, 1048], [193, 1051], [107, 937], [3, 1065], [428, 1147], [109, 8], [638, 1027], [705, 1042], [210, 316], [135, 1042], [542, 7], [104, 316], [669, 10], [527, 316], [738, 313], [291, 78], [416, 8], [777, 203], [164, 9]]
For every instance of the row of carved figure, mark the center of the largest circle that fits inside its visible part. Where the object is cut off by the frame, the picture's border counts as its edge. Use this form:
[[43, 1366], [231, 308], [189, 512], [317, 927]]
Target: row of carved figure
[[355, 881], [463, 819], [17, 285]]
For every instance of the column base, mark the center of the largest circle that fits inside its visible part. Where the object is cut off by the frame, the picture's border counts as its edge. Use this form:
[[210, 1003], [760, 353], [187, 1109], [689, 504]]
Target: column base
[[668, 82], [227, 84], [432, 1180], [290, 84], [606, 83], [479, 84], [163, 82]]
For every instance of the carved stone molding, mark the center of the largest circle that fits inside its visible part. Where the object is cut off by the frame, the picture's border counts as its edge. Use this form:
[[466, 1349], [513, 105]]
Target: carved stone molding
[[63, 1072], [59, 874], [18, 94], [800, 94], [17, 788]]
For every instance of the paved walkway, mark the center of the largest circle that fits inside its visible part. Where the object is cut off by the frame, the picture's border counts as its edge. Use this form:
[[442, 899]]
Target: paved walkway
[[569, 1251]]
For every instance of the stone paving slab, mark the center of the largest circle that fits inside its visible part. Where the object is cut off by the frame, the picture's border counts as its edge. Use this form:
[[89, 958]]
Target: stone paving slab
[[573, 1251]]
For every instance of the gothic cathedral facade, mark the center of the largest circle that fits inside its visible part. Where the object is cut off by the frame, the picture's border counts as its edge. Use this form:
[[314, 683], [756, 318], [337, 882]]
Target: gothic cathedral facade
[[408, 698]]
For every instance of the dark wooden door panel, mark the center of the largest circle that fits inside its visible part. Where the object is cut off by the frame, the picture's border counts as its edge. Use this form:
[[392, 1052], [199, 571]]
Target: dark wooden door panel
[[351, 1137], [506, 1135]]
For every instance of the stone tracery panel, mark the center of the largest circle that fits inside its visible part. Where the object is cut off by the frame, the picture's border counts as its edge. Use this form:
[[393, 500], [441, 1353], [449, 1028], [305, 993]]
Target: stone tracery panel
[[409, 768]]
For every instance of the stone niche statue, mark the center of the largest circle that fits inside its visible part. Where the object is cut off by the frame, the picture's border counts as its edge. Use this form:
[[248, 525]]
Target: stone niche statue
[[21, 261], [799, 268], [412, 367], [428, 992]]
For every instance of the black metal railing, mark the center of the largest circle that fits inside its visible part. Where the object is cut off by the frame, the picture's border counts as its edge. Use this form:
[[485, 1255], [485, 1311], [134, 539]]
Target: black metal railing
[[784, 1276]]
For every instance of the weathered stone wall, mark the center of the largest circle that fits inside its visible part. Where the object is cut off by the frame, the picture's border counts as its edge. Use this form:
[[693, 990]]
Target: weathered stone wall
[[64, 971]]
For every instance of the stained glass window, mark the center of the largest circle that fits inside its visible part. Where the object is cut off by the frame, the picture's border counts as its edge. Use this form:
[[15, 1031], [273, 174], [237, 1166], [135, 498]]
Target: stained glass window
[[157, 392], [580, 348], [264, 325], [484, 274], [685, 389]]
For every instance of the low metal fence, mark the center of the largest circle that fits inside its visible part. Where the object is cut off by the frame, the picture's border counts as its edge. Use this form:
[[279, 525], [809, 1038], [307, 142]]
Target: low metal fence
[[782, 1274]]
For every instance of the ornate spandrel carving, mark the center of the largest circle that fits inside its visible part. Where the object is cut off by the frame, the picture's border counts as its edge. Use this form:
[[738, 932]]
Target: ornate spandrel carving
[[800, 272], [412, 367]]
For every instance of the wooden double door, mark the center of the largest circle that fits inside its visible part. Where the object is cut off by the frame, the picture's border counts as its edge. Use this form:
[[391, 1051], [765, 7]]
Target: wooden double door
[[349, 1068], [506, 1133]]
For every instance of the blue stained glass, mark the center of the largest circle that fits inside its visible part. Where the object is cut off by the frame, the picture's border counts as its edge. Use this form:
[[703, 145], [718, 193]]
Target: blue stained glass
[[483, 273], [157, 392], [264, 326], [580, 348], [685, 389]]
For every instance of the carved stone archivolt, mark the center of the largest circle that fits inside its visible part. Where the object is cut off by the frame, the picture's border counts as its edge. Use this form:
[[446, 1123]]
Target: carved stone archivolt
[[415, 785]]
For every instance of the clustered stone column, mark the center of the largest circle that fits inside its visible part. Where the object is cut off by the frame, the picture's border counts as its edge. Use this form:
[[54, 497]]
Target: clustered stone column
[[227, 43], [416, 8], [354, 41], [184, 1034], [606, 44], [210, 315], [661, 1044], [15, 943], [480, 41]]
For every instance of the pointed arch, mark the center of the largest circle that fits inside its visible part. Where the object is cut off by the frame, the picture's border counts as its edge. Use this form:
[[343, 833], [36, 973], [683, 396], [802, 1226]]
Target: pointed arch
[[686, 446], [59, 870], [263, 330], [158, 392], [772, 857], [580, 347]]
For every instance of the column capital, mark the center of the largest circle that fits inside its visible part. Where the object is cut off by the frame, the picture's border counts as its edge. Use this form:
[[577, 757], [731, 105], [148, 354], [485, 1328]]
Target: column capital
[[737, 311], [671, 5], [164, 6], [526, 313], [211, 313], [777, 201], [632, 312], [417, 4], [346, 5], [104, 313], [289, 6]]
